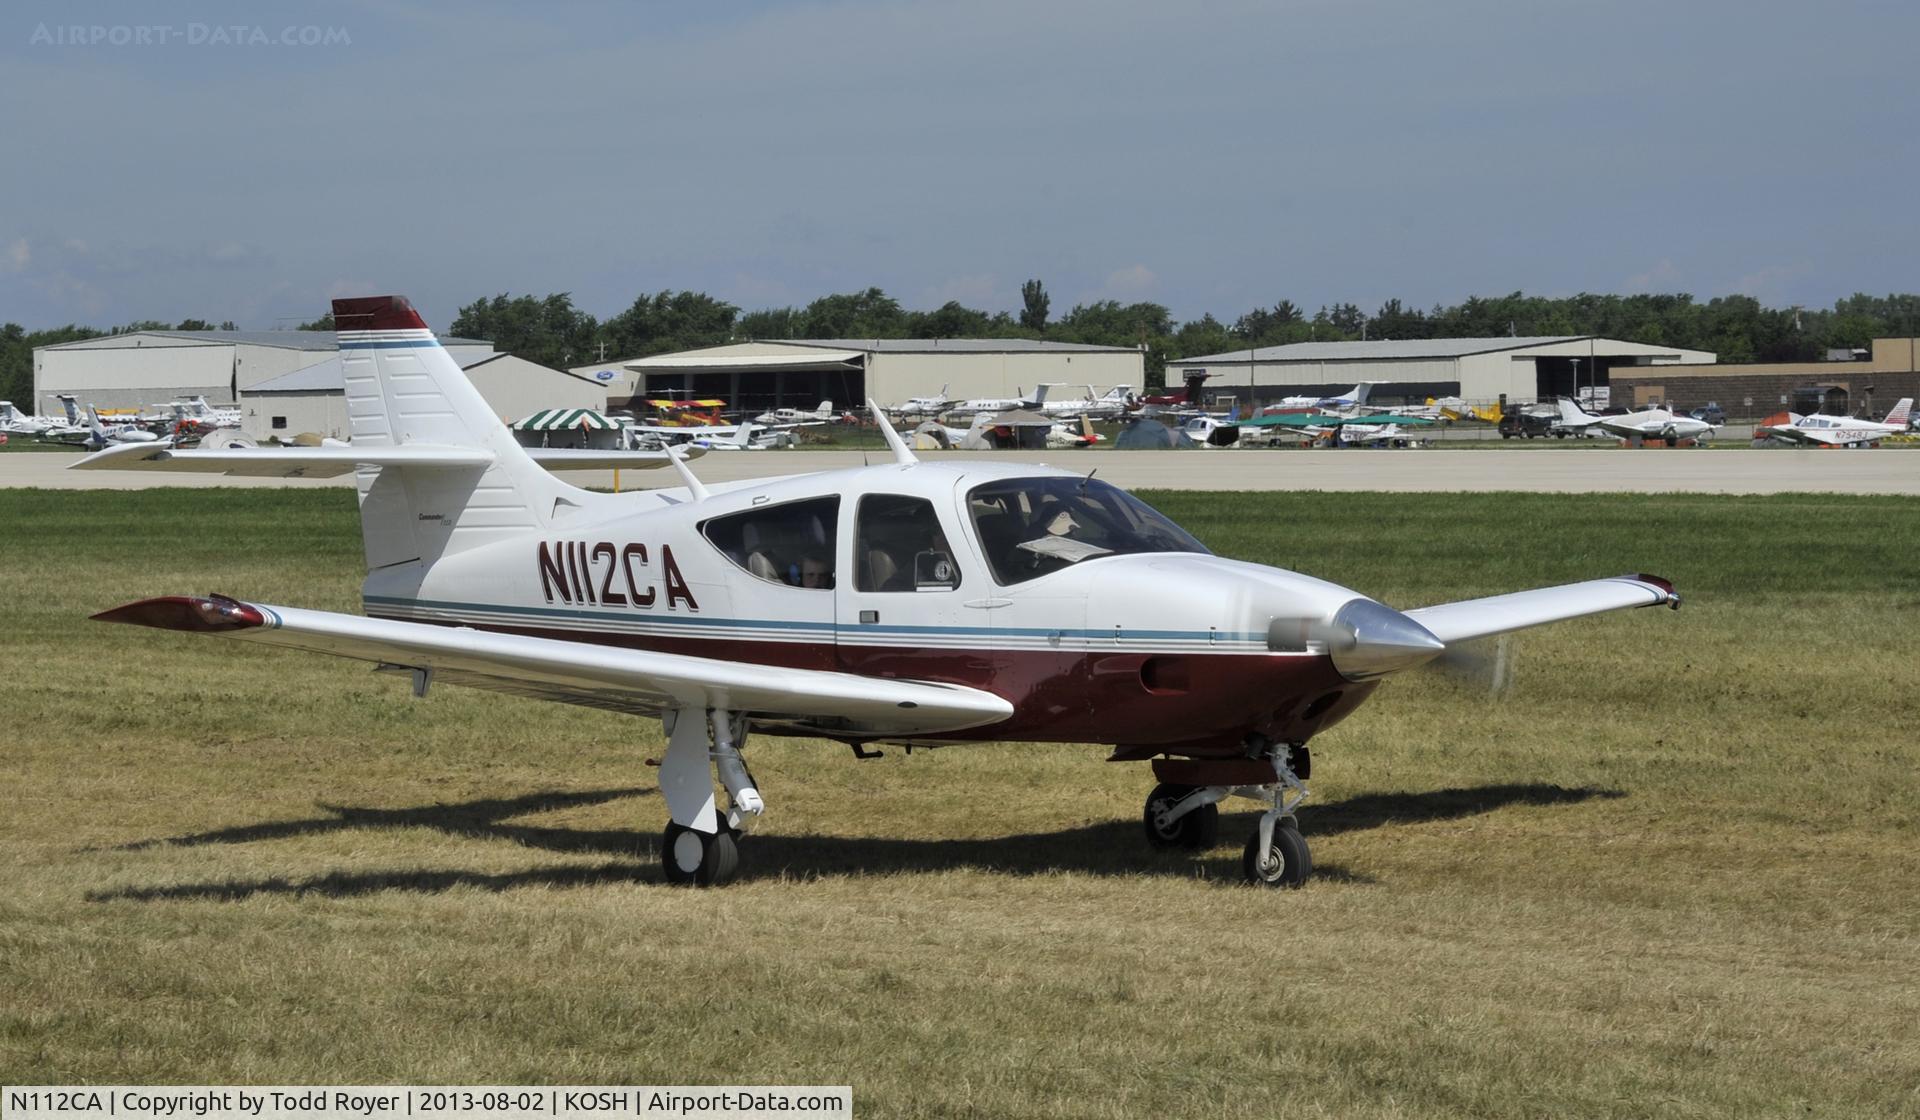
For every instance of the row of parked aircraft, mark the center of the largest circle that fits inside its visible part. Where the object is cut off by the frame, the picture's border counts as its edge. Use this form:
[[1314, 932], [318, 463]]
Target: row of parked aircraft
[[184, 418], [909, 602]]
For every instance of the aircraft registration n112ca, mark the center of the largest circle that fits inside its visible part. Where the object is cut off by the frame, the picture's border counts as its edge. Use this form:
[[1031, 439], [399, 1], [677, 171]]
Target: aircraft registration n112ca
[[920, 603]]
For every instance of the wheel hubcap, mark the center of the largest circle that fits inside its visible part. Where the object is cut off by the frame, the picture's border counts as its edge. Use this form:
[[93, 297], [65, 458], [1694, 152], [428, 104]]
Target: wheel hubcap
[[687, 851]]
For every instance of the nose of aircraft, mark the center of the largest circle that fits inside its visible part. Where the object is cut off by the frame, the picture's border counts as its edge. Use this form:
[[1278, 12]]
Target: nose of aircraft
[[1368, 640]]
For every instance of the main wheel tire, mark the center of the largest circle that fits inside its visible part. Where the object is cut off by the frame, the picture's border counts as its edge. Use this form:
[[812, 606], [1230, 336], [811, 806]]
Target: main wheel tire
[[1198, 830], [699, 859], [1287, 862]]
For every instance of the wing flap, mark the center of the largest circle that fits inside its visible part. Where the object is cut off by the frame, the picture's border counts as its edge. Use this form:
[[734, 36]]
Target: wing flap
[[579, 672], [1501, 614]]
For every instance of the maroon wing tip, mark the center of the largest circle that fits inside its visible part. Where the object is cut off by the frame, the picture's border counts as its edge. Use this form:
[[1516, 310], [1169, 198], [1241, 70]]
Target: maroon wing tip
[[183, 612], [1664, 584], [376, 313]]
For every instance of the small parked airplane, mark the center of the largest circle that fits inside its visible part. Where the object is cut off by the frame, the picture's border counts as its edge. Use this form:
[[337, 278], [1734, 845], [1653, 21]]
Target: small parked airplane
[[1348, 401], [101, 436], [1840, 431], [797, 416], [919, 603], [1651, 423], [1111, 406], [1003, 404], [931, 407], [15, 422], [193, 414]]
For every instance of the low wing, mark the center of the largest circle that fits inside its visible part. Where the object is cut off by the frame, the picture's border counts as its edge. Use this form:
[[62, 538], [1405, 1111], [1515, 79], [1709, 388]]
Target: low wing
[[630, 680], [1500, 614], [331, 461]]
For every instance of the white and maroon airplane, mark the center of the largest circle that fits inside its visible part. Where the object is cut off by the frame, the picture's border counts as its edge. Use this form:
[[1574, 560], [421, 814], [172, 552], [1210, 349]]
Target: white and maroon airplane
[[924, 603], [1840, 431]]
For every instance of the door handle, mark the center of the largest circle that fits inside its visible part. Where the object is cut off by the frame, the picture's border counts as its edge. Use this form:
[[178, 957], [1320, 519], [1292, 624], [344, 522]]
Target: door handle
[[988, 604]]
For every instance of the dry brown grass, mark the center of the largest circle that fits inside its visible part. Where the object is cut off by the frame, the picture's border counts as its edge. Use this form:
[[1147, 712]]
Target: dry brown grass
[[1672, 874]]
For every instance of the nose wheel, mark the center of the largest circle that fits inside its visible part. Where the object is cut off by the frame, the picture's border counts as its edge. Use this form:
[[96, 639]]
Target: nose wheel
[[1285, 862]]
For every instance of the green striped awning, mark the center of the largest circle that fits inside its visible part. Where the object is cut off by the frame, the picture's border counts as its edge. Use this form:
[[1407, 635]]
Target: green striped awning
[[564, 419]]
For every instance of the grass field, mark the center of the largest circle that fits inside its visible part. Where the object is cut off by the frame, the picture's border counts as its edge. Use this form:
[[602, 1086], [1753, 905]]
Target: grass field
[[1672, 872]]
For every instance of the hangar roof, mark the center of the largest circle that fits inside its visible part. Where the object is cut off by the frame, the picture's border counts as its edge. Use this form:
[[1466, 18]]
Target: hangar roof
[[288, 340], [1389, 348], [950, 345]]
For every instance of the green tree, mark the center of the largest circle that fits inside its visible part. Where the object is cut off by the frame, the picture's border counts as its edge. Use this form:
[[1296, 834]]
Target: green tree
[[668, 321], [772, 323], [869, 314], [951, 320], [323, 323], [1034, 304], [550, 330]]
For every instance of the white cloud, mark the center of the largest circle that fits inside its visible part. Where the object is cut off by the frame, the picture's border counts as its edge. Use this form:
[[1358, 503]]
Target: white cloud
[[1769, 285], [1134, 282], [19, 255], [1660, 276]]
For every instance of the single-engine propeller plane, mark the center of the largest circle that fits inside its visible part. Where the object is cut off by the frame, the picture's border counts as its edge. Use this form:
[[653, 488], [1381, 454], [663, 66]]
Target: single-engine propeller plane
[[921, 603]]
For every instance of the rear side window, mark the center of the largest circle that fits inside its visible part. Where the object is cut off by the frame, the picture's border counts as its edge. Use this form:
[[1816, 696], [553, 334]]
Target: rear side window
[[789, 544], [899, 546]]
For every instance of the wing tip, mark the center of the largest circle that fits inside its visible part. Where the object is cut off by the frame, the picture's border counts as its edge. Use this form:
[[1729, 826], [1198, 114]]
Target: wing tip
[[214, 614], [1670, 597]]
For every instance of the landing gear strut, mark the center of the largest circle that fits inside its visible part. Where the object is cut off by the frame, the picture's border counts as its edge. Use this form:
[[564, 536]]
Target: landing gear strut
[[700, 847], [1276, 855]]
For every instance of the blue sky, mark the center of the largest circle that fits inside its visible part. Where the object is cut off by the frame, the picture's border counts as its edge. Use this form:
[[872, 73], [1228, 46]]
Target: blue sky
[[1211, 157]]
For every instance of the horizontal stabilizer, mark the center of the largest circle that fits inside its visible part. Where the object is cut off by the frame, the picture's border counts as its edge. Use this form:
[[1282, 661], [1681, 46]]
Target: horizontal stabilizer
[[1501, 614], [282, 462], [331, 461], [584, 673]]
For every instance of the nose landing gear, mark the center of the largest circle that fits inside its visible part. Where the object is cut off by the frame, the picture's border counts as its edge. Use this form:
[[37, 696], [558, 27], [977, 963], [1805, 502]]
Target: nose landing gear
[[1186, 815]]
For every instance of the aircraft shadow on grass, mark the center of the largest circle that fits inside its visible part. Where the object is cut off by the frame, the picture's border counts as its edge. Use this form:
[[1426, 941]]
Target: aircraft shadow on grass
[[1107, 848]]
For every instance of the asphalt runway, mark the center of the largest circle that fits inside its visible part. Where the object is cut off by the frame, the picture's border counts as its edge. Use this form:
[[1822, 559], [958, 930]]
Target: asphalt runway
[[1565, 471]]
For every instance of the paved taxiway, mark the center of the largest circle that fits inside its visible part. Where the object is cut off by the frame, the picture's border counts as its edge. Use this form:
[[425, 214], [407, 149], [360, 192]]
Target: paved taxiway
[[1739, 471]]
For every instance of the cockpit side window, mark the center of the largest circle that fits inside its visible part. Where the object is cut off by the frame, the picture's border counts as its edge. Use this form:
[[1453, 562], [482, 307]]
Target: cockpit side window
[[1032, 526], [898, 546], [789, 544]]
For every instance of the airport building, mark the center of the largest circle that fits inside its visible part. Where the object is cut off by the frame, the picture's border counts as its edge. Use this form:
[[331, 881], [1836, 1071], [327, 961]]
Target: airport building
[[1849, 383], [140, 369], [802, 373], [285, 382], [314, 400], [1477, 369]]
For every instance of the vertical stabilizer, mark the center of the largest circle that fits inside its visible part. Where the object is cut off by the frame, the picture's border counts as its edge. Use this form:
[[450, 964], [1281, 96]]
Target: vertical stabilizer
[[1902, 412], [401, 389]]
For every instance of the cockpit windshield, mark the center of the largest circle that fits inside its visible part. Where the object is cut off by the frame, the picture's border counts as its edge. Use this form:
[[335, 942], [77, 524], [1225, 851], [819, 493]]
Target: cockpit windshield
[[1032, 526]]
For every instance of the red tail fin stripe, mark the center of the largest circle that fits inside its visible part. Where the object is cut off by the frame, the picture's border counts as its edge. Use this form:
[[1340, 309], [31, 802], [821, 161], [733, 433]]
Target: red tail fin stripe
[[376, 313]]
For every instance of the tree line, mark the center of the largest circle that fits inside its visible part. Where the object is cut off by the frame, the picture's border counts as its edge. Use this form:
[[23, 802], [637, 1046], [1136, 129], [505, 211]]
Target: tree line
[[552, 331]]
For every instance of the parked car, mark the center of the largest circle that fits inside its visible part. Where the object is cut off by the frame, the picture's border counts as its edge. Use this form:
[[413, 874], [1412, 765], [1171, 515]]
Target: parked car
[[1711, 412], [1525, 424]]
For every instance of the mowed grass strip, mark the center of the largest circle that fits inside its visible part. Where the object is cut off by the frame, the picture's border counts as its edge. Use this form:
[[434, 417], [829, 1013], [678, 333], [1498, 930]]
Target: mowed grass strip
[[1670, 872]]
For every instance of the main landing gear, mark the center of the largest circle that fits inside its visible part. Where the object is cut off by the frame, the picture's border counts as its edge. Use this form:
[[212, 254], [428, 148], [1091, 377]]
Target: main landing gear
[[1188, 815], [701, 848]]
